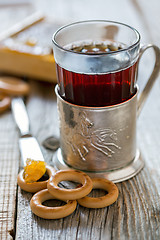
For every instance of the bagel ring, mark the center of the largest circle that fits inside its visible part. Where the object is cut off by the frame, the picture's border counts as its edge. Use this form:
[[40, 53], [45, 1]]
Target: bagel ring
[[13, 86], [5, 102], [69, 175], [50, 212], [104, 201], [35, 186]]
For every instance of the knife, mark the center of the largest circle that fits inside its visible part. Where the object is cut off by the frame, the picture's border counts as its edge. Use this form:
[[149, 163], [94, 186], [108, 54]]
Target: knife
[[29, 146]]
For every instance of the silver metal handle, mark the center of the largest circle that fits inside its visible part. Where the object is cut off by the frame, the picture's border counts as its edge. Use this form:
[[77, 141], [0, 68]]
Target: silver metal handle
[[152, 78], [20, 115]]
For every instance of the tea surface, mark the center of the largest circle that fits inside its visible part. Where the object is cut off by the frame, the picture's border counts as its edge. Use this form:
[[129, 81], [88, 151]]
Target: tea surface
[[97, 90]]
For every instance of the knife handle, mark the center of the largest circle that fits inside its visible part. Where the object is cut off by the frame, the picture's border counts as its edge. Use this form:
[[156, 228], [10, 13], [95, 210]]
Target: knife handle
[[20, 115]]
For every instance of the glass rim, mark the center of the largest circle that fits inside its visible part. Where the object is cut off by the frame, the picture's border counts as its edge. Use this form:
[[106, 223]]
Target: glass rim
[[96, 21]]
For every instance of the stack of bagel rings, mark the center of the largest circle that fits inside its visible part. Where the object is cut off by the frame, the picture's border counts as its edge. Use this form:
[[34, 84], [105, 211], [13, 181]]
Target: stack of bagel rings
[[49, 189]]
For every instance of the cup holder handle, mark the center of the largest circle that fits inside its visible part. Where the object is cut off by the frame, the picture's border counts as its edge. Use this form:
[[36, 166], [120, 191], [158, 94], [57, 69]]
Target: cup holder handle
[[154, 75]]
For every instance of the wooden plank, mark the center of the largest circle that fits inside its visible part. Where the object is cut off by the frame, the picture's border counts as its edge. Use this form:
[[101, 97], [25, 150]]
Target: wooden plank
[[9, 162], [9, 153]]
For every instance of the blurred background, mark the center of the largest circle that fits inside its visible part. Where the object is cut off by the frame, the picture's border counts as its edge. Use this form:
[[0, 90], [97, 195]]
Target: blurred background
[[13, 11], [141, 14]]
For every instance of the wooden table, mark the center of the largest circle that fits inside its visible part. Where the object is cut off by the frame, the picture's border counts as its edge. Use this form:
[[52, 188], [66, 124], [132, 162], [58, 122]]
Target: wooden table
[[136, 213]]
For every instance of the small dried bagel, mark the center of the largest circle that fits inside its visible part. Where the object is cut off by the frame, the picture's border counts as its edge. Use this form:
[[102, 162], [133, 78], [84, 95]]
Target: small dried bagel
[[50, 212], [69, 175], [35, 186], [104, 201]]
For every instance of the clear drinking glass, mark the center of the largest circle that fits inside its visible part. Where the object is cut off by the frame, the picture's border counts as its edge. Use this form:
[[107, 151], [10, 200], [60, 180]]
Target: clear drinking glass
[[103, 77]]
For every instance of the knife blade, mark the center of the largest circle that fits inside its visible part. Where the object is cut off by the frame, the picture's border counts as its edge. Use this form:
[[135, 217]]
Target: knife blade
[[28, 144]]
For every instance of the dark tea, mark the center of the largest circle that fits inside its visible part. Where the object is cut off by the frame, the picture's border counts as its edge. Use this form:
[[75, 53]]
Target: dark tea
[[97, 90]]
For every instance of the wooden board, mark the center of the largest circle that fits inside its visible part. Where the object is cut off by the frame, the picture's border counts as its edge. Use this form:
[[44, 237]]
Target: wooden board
[[136, 214], [9, 165]]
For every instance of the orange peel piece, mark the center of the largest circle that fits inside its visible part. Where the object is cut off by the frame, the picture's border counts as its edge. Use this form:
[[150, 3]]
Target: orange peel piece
[[34, 170]]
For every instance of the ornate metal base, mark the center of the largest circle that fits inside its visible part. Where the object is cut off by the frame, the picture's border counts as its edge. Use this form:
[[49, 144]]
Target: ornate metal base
[[116, 175]]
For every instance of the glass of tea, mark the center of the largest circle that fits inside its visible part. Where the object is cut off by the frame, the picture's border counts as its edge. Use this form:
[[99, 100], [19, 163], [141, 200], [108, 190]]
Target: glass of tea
[[96, 62], [97, 98]]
